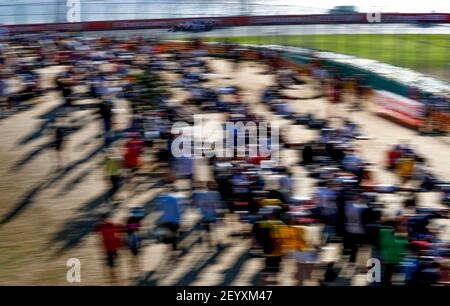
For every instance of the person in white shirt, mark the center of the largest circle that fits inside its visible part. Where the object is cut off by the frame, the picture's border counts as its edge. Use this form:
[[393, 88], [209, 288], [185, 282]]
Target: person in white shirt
[[354, 227], [325, 198], [286, 184]]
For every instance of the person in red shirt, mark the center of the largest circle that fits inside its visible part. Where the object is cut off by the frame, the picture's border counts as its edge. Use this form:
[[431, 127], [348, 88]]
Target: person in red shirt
[[336, 92], [134, 147], [133, 150], [392, 156], [111, 235]]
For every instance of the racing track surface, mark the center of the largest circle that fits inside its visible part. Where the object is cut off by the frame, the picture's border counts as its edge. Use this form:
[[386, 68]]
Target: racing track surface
[[290, 30]]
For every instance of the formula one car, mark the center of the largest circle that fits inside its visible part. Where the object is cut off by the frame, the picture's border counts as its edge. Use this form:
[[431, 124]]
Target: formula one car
[[194, 26]]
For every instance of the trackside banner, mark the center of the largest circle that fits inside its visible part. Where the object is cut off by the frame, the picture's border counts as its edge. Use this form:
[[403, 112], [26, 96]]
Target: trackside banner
[[402, 109], [231, 21]]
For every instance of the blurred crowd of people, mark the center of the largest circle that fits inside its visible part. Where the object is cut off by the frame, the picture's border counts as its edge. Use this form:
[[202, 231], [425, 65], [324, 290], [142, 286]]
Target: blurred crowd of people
[[346, 208]]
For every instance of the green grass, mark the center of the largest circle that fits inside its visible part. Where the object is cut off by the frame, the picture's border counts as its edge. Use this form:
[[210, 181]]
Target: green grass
[[416, 51]]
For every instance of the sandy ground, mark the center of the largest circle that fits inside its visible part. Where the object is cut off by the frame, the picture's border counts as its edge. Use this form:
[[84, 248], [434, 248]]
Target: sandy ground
[[47, 215]]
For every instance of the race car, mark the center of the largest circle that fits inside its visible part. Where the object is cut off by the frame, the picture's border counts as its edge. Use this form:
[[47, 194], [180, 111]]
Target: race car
[[194, 26]]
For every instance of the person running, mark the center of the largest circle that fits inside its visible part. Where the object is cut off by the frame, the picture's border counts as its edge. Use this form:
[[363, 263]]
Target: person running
[[352, 162], [393, 155], [297, 244], [286, 183], [265, 235], [113, 165], [111, 235], [208, 201], [405, 167], [59, 136], [184, 168], [105, 110], [325, 198], [133, 224], [133, 150], [355, 233], [392, 251], [170, 205], [63, 84]]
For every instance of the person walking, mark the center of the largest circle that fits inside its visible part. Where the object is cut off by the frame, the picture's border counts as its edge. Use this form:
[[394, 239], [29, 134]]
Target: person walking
[[113, 167], [111, 237], [297, 243], [392, 252], [106, 113], [59, 140], [133, 150], [207, 201], [355, 234], [265, 234], [405, 167], [170, 205], [133, 224], [64, 85]]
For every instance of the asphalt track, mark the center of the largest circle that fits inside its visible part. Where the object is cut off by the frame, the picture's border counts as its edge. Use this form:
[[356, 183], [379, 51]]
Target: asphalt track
[[289, 30]]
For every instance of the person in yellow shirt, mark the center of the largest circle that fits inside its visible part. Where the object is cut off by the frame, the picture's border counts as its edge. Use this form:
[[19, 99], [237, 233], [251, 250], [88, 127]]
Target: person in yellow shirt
[[266, 235], [113, 168], [405, 167], [296, 242]]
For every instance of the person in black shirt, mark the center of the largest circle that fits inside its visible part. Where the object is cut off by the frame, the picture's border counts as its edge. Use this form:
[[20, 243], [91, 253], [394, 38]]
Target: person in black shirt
[[105, 110], [62, 84], [59, 134]]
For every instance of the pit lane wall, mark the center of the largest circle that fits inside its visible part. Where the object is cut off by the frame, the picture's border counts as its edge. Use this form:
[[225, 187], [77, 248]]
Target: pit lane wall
[[230, 21]]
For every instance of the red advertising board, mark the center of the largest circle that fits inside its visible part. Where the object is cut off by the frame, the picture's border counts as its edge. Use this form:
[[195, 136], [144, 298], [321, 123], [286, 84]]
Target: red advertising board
[[404, 110]]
